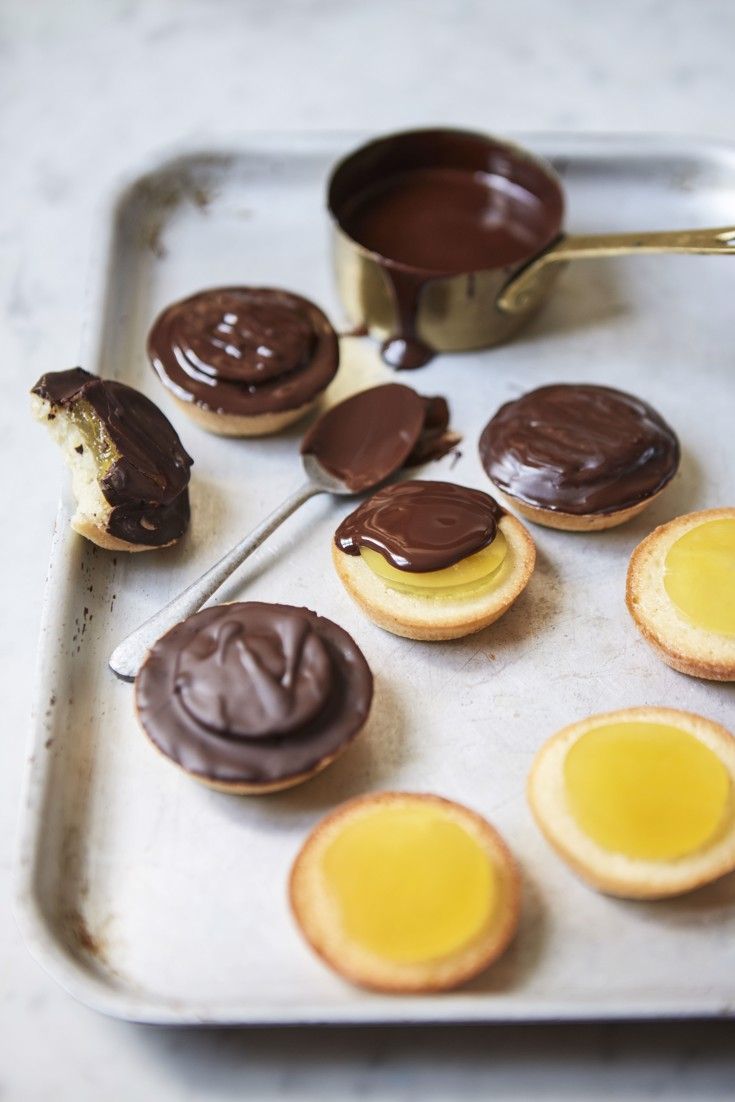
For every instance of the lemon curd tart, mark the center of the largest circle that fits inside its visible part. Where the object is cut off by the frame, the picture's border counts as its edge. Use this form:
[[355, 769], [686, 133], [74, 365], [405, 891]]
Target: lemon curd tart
[[433, 560], [639, 802], [405, 892], [681, 593]]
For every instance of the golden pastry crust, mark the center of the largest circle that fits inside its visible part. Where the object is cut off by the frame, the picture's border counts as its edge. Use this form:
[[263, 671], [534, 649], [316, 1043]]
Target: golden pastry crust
[[231, 424], [682, 645], [569, 522], [613, 873], [359, 965], [434, 619]]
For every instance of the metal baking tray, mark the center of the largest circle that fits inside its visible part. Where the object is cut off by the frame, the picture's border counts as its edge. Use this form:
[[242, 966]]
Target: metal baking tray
[[151, 898]]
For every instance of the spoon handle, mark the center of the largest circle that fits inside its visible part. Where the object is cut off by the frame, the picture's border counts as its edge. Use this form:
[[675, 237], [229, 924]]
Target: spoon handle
[[527, 285], [128, 656]]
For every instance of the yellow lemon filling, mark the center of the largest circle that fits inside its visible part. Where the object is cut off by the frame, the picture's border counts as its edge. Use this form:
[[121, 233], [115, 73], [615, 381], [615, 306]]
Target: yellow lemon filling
[[649, 791], [94, 434], [472, 575], [699, 576], [409, 883]]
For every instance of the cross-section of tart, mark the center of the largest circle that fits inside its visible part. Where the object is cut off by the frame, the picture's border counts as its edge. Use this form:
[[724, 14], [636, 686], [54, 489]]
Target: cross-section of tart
[[130, 473], [406, 892]]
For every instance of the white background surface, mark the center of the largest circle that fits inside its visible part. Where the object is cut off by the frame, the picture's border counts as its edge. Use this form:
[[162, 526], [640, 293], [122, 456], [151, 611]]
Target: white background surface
[[87, 91]]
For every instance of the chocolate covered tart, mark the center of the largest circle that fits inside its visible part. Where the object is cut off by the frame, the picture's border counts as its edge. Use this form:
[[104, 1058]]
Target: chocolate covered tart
[[244, 361], [130, 472], [579, 457], [432, 560], [252, 697]]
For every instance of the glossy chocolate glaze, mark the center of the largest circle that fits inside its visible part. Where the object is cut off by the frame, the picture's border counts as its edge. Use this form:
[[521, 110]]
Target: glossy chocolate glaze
[[374, 433], [579, 449], [446, 220], [253, 693], [421, 526], [436, 438], [244, 350], [147, 483], [434, 203]]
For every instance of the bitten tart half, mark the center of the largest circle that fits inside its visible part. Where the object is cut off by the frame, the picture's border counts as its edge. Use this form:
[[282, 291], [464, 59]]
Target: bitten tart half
[[130, 473], [244, 361], [406, 892], [251, 698], [578, 457], [639, 802], [432, 560], [681, 593]]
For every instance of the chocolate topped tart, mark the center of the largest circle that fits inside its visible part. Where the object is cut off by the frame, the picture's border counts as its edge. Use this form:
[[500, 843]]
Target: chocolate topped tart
[[134, 454], [421, 526], [579, 450], [253, 696], [376, 432], [244, 351]]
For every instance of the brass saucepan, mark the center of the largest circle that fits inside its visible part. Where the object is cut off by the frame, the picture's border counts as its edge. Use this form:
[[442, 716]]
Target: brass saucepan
[[429, 300]]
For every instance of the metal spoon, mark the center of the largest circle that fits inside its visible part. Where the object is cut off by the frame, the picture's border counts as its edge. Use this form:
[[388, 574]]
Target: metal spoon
[[128, 656]]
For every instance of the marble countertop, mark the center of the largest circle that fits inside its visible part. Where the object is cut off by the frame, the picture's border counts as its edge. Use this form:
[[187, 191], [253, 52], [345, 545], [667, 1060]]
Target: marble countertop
[[89, 90]]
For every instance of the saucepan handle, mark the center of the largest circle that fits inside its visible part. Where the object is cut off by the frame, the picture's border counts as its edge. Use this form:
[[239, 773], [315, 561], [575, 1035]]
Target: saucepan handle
[[528, 284]]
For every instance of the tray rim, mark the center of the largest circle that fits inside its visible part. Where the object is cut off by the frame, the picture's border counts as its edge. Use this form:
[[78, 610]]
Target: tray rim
[[96, 989]]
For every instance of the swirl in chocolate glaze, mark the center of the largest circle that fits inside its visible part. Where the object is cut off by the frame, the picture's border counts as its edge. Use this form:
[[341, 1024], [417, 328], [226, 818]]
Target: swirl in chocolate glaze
[[374, 433], [244, 350], [579, 449], [147, 482], [421, 526], [253, 693]]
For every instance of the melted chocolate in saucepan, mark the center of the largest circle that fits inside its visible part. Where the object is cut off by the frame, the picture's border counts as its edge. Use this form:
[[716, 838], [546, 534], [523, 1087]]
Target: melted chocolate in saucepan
[[436, 203]]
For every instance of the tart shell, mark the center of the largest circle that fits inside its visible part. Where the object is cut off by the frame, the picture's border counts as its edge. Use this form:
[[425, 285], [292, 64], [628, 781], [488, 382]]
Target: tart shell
[[363, 967]]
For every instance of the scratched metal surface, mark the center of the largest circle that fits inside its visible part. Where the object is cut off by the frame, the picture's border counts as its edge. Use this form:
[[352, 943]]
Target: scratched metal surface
[[151, 898]]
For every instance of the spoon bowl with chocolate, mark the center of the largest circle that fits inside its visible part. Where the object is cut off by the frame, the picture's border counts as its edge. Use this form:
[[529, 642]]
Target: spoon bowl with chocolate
[[353, 447], [448, 240]]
